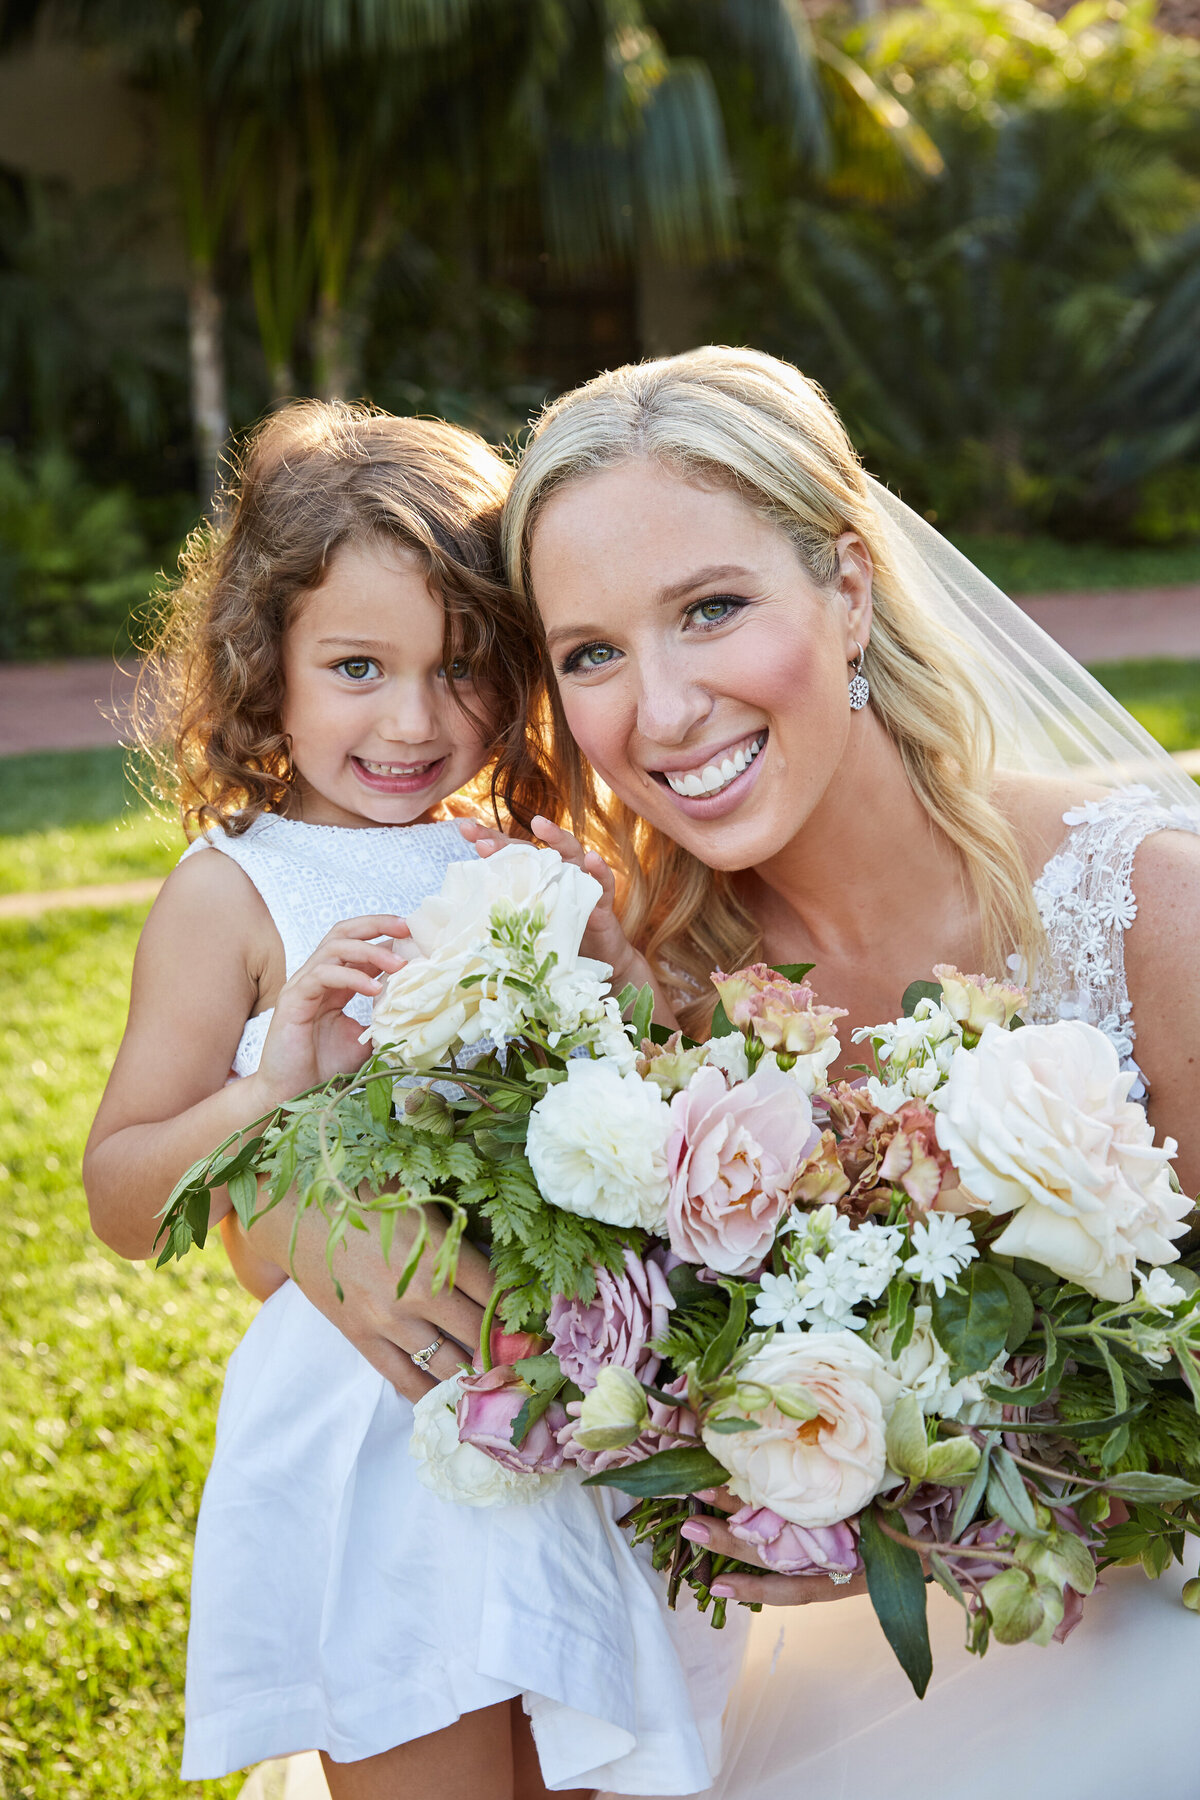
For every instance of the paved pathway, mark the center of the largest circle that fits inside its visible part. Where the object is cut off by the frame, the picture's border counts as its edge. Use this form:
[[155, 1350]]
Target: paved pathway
[[1115, 627]]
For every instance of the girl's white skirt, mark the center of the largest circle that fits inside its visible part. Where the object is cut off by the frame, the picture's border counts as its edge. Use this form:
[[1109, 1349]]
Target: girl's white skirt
[[338, 1605]]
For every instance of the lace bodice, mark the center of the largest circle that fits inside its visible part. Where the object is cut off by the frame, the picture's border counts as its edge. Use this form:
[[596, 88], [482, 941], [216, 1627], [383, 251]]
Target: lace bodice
[[1086, 901], [312, 876]]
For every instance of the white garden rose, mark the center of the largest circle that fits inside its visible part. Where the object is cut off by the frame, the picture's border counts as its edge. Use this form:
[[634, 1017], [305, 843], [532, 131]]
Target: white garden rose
[[459, 1472], [427, 1009], [597, 1145], [821, 1470], [1039, 1124]]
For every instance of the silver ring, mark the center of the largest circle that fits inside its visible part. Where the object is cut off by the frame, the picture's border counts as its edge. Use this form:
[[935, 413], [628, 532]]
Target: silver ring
[[424, 1357], [839, 1577]]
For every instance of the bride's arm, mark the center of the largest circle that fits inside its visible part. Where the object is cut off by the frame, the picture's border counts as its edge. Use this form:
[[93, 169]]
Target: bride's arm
[[1162, 963]]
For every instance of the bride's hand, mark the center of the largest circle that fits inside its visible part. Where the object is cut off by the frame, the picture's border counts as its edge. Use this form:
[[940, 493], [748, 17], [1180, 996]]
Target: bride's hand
[[385, 1330], [604, 939], [770, 1588]]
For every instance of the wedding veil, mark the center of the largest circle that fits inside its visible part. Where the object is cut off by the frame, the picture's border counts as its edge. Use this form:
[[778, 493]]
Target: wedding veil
[[1050, 716]]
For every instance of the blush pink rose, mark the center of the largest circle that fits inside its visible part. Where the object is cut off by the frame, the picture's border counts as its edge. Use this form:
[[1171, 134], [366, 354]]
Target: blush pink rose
[[797, 1549], [731, 1158], [487, 1410]]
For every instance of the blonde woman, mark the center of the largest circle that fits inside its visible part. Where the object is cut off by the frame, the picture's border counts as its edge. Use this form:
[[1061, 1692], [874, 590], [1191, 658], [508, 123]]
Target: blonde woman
[[800, 727]]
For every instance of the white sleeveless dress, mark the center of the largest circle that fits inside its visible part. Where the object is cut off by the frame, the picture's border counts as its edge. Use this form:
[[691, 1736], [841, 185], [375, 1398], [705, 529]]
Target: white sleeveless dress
[[823, 1711], [336, 1603]]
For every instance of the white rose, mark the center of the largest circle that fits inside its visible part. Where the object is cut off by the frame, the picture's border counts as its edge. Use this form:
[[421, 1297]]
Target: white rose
[[923, 1368], [728, 1053], [1038, 1124], [597, 1146], [459, 1472], [426, 1010], [825, 1469]]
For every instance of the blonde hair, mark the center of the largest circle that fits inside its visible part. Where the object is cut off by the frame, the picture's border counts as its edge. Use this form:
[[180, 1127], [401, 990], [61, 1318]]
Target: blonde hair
[[314, 476], [745, 421]]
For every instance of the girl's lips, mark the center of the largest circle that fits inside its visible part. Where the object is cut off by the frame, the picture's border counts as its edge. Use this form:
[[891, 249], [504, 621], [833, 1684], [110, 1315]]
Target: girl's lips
[[715, 806], [416, 783]]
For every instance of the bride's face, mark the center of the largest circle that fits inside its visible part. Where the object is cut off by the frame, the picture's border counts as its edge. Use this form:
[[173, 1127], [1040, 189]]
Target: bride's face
[[702, 671]]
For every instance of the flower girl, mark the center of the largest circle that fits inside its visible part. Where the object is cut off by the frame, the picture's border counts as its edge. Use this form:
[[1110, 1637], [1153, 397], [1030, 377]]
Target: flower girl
[[340, 662]]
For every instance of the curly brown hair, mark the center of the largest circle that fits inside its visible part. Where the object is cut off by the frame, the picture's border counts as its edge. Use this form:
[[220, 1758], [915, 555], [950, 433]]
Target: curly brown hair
[[314, 476]]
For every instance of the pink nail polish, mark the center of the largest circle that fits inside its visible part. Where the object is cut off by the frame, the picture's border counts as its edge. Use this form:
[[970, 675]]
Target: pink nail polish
[[695, 1532], [721, 1590]]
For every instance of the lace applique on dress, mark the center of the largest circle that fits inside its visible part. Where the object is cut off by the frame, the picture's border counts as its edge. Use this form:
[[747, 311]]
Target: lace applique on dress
[[1086, 901]]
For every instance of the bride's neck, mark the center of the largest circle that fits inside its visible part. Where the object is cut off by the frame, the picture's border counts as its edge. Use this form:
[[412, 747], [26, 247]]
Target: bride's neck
[[867, 862]]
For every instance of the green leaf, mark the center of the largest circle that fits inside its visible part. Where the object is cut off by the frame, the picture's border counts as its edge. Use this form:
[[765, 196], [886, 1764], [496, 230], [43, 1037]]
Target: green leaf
[[896, 1584], [541, 1372], [414, 1257], [916, 991], [721, 1026], [1008, 1496], [1021, 1302], [683, 1470], [626, 998], [540, 1401], [720, 1352], [642, 1013], [1138, 1485], [1035, 1391], [793, 971], [732, 1424], [973, 1494], [942, 1573], [1116, 1375], [971, 1319], [379, 1100], [243, 1195]]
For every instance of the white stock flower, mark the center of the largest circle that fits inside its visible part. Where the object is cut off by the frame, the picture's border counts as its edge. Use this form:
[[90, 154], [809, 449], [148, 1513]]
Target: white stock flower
[[779, 1303], [597, 1146], [452, 988], [942, 1246], [1039, 1125], [836, 1267], [923, 1368], [824, 1469], [459, 1472], [1159, 1291], [914, 1054], [810, 1072], [728, 1054]]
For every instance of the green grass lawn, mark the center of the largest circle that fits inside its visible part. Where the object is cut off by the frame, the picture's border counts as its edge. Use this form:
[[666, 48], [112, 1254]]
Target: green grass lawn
[[1046, 565], [70, 818], [1162, 696], [111, 1379]]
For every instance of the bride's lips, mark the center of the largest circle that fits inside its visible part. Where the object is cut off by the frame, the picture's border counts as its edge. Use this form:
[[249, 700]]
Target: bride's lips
[[715, 806], [384, 778]]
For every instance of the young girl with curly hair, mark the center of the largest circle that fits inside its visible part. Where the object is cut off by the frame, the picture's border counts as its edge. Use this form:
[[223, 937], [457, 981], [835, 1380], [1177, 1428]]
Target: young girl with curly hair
[[343, 670]]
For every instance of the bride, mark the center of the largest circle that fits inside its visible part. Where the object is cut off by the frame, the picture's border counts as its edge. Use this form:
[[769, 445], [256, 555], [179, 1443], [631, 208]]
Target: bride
[[800, 727], [803, 729]]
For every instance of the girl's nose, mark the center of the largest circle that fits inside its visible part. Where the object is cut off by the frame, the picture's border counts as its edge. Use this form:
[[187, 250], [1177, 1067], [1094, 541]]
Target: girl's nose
[[409, 714]]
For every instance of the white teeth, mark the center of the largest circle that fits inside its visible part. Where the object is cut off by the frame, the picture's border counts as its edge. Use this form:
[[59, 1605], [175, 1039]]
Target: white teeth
[[715, 776], [375, 768]]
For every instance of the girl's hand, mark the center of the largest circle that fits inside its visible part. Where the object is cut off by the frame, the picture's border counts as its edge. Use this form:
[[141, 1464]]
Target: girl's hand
[[604, 939], [770, 1588], [310, 1037]]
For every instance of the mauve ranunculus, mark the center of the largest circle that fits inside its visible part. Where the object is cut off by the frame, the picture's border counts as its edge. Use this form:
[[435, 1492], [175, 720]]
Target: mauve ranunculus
[[796, 1549], [628, 1312], [487, 1408], [669, 1427], [731, 1158]]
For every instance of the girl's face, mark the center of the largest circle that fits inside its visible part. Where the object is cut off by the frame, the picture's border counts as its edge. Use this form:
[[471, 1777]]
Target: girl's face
[[702, 671], [377, 735]]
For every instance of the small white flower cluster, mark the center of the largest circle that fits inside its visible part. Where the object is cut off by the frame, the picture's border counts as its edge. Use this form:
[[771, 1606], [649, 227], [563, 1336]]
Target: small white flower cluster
[[835, 1266], [810, 1073], [942, 1246], [914, 1054]]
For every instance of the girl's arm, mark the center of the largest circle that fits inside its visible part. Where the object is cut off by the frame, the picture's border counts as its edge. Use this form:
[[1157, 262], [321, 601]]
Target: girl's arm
[[208, 951]]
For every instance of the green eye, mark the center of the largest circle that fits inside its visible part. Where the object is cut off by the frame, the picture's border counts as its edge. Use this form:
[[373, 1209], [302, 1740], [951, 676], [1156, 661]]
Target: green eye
[[459, 669], [711, 612], [589, 656], [356, 668]]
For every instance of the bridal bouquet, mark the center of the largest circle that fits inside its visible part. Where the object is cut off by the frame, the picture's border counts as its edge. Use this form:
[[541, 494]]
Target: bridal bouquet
[[915, 1321]]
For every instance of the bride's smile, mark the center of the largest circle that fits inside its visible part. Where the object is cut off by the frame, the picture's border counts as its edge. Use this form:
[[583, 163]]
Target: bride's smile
[[702, 670]]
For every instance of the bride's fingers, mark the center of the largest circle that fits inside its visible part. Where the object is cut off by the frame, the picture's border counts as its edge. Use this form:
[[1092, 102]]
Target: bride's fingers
[[786, 1590]]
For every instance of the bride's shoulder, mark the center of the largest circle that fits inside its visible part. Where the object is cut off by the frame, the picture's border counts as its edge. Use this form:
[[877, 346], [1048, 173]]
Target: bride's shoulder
[[1036, 808], [1128, 826]]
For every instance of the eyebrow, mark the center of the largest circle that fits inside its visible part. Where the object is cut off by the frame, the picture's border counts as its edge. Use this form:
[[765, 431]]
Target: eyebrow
[[353, 643], [675, 590]]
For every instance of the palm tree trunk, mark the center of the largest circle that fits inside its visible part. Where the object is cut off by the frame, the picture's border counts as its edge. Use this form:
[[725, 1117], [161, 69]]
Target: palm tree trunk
[[206, 355]]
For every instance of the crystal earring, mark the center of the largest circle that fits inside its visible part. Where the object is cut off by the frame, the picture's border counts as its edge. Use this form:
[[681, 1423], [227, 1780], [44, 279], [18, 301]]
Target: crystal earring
[[860, 687]]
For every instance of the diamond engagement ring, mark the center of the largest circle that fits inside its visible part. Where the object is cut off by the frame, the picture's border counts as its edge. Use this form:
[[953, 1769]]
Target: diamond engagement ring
[[839, 1577], [424, 1357]]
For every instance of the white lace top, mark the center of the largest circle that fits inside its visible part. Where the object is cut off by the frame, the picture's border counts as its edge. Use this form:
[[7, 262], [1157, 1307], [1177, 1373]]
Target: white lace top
[[313, 876], [1086, 900]]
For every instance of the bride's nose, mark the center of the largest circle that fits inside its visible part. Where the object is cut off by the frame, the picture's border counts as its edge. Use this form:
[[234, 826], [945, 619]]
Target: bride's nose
[[670, 705]]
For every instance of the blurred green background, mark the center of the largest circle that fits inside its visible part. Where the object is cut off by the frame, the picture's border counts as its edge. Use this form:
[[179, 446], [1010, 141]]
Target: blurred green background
[[977, 224]]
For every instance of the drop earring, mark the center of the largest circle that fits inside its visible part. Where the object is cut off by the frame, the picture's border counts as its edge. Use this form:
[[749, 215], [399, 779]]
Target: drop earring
[[860, 687]]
